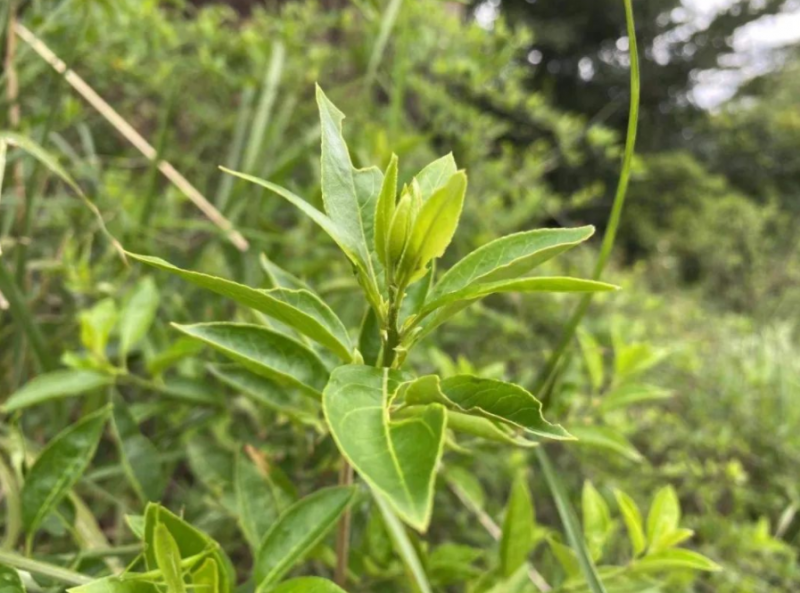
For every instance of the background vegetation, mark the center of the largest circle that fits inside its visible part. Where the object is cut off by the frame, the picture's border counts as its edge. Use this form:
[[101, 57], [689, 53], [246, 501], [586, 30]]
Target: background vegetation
[[701, 347]]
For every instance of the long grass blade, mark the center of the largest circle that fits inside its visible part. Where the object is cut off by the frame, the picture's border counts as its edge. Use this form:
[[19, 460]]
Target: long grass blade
[[261, 121], [387, 24], [569, 519]]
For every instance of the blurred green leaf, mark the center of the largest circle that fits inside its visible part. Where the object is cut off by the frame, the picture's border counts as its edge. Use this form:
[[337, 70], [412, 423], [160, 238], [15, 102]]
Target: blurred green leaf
[[307, 585], [384, 210], [633, 521], [137, 315], [9, 577], [516, 539], [55, 385], [168, 559], [597, 525], [668, 560], [605, 437]]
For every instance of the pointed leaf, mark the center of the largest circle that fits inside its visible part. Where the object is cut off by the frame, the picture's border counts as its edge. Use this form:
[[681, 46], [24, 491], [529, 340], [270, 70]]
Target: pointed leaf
[[516, 539], [137, 315], [59, 466], [597, 524], [55, 385], [256, 501], [605, 437], [509, 257], [299, 309], [435, 175], [668, 560], [664, 516], [115, 585], [492, 399], [403, 545], [384, 209], [264, 352], [633, 521], [168, 559], [280, 278], [298, 531], [486, 429], [396, 458]]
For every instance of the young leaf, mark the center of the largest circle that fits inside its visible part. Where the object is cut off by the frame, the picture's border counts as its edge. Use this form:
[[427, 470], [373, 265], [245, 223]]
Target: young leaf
[[137, 315], [435, 175], [492, 399], [570, 522], [307, 585], [96, 326], [605, 437], [297, 531], [434, 226], [138, 455], [509, 257], [663, 518], [206, 578], [300, 309], [168, 559], [264, 352], [9, 578], [267, 393], [633, 521], [256, 501], [55, 385], [676, 559], [396, 458], [675, 538], [597, 524], [190, 542], [516, 540], [116, 585], [384, 209], [59, 466], [566, 558]]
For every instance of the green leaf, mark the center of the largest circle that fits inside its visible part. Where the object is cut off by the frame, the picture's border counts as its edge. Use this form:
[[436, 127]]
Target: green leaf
[[676, 537], [96, 326], [516, 539], [59, 466], [396, 458], [137, 315], [168, 559], [569, 520], [116, 585], [9, 578], [384, 209], [592, 357], [280, 278], [435, 175], [138, 455], [667, 560], [486, 429], [629, 394], [467, 484], [297, 531], [403, 545], [369, 338], [299, 309], [566, 557], [256, 501], [633, 521], [492, 399], [434, 226], [55, 385], [307, 585], [206, 578], [663, 518], [604, 437], [190, 542], [597, 524], [264, 352], [267, 393], [509, 257]]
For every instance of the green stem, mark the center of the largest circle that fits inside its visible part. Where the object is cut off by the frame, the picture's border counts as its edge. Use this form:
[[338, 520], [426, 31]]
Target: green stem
[[13, 506], [548, 374], [44, 569]]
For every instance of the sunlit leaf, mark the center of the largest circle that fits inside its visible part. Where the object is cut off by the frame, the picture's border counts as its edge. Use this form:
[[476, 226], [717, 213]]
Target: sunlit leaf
[[633, 521]]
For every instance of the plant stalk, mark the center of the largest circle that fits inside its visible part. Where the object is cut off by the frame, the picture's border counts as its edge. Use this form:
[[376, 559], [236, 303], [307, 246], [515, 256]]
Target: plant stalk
[[343, 534], [44, 569]]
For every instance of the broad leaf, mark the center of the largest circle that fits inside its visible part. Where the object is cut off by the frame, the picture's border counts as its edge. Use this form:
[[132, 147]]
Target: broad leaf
[[268, 393], [298, 531], [10, 581], [137, 315], [55, 385], [435, 225], [663, 518], [256, 501], [492, 399], [300, 309], [190, 542], [516, 539], [509, 257], [384, 209], [307, 585], [605, 437], [168, 559], [264, 352], [59, 466], [435, 175], [397, 458], [138, 455], [667, 560], [633, 521]]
